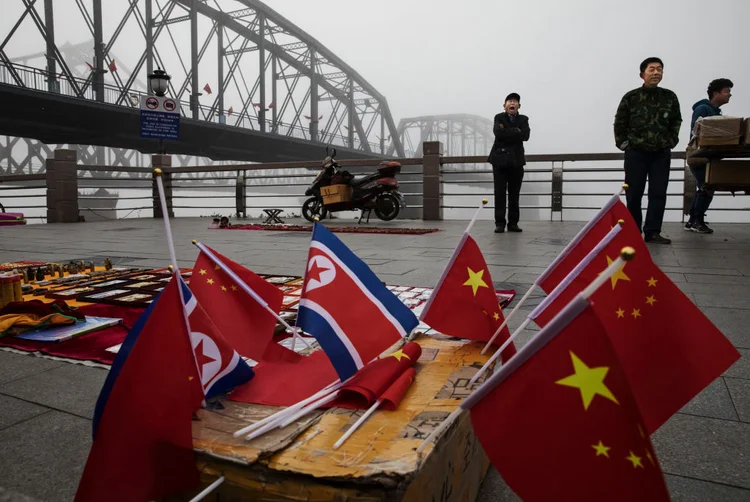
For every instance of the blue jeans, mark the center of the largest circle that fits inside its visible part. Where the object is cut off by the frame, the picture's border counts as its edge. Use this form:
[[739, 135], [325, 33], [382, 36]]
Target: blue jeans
[[702, 198]]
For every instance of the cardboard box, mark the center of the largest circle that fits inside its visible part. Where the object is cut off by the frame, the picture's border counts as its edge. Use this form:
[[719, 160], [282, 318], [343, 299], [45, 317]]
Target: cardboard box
[[746, 132], [727, 173], [378, 463], [718, 131], [336, 193]]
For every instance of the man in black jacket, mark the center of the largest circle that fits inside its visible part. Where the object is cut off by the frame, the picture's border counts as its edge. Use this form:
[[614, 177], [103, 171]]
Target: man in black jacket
[[507, 157]]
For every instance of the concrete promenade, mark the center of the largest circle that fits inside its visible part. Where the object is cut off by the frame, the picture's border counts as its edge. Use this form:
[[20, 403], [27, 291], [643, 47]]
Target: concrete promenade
[[46, 406]]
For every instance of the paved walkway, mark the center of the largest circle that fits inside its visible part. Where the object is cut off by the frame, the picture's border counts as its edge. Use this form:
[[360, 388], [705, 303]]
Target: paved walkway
[[46, 406]]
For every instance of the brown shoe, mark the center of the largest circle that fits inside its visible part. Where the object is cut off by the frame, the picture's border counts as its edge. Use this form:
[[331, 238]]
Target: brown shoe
[[657, 239]]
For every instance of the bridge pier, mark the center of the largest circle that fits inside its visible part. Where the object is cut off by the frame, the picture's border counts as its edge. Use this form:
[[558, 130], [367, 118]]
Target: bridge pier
[[62, 187]]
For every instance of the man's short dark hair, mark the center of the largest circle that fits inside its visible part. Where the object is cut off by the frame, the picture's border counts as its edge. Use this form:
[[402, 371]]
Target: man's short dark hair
[[718, 85], [648, 61]]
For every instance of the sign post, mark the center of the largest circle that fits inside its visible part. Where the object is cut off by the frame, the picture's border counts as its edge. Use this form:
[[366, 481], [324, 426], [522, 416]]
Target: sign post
[[160, 119]]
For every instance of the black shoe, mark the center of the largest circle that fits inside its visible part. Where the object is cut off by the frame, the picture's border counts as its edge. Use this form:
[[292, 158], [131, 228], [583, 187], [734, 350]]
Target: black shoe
[[702, 228], [657, 239], [514, 228], [500, 230], [689, 226]]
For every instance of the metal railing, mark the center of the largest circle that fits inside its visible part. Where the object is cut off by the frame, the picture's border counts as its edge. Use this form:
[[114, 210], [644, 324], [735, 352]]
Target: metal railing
[[38, 79], [564, 187]]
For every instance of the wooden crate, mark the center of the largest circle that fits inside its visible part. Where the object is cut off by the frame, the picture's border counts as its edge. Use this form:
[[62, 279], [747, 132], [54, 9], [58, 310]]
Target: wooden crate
[[333, 194], [378, 463]]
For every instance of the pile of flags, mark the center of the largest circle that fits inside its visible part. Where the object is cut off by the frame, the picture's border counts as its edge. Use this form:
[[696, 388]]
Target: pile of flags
[[582, 396]]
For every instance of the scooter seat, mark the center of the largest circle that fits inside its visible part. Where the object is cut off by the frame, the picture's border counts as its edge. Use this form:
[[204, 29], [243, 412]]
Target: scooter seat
[[359, 180]]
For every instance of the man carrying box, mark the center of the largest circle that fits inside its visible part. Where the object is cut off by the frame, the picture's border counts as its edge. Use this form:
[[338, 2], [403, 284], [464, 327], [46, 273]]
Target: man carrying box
[[647, 127], [719, 93]]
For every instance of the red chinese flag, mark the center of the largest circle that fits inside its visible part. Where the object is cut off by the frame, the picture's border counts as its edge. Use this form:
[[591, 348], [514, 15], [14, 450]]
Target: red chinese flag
[[669, 349], [464, 303], [396, 392], [584, 242], [286, 380], [112, 66], [143, 446], [564, 425], [375, 378], [230, 111], [207, 88], [245, 324]]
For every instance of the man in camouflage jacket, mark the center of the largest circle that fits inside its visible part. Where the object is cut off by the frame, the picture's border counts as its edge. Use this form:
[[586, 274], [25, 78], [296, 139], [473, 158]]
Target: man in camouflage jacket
[[647, 127]]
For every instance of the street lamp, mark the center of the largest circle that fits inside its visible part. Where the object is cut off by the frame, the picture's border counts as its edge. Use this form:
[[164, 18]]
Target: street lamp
[[159, 82]]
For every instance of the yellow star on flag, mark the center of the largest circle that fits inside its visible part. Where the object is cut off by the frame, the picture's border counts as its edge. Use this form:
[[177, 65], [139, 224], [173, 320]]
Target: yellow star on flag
[[590, 381], [234, 288], [635, 459], [650, 457], [601, 449], [496, 316], [651, 300], [636, 313], [620, 313], [223, 288], [210, 281], [202, 271], [217, 267], [399, 354], [651, 282], [475, 280], [620, 274]]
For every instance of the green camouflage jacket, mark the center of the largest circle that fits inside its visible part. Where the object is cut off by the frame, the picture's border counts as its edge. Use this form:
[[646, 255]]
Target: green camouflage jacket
[[648, 119]]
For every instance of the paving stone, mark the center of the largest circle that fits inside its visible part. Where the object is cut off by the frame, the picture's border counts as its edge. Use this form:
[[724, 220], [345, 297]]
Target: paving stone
[[13, 411], [71, 388], [714, 401], [739, 390], [705, 448], [693, 490], [44, 457], [735, 324], [740, 369], [16, 366]]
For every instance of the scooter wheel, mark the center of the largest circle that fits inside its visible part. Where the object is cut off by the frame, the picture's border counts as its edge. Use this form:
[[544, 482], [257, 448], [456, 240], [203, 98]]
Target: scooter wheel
[[387, 207], [312, 208]]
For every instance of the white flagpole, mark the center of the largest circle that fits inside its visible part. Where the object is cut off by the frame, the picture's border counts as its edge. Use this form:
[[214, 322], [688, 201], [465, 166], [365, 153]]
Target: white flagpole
[[558, 259], [555, 293], [208, 490], [309, 409], [626, 254], [174, 268], [247, 289], [356, 425], [510, 316], [291, 409], [476, 215]]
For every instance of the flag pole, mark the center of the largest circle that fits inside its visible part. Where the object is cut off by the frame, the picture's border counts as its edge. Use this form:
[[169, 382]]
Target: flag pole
[[557, 260], [476, 215], [626, 254], [510, 316], [208, 490], [555, 293], [247, 289], [357, 424]]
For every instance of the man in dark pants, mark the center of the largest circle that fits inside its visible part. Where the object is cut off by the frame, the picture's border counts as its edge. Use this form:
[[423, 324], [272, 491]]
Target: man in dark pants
[[647, 127], [508, 158], [719, 94]]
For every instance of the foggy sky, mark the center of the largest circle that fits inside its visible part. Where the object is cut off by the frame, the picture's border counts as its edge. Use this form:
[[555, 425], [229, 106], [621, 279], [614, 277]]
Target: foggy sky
[[571, 62]]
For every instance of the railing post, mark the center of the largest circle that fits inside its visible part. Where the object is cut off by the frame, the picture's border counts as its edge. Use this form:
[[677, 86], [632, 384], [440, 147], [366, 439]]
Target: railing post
[[240, 193], [431, 181], [62, 187], [163, 162], [557, 191]]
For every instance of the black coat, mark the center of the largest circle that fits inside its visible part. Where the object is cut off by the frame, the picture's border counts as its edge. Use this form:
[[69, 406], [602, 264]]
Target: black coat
[[509, 136]]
